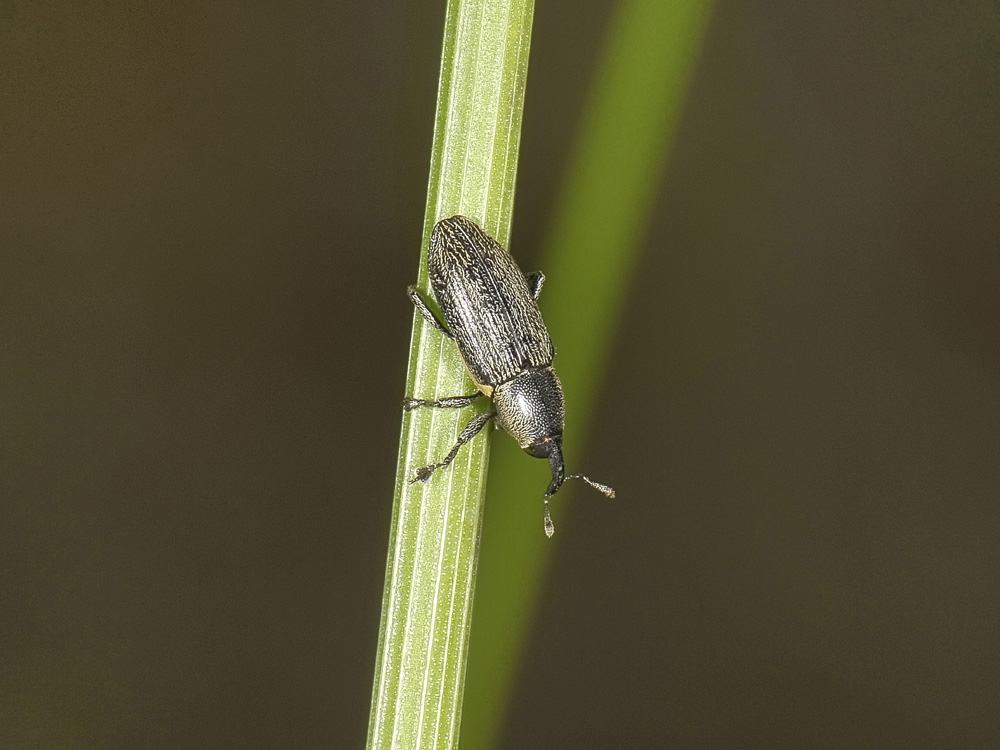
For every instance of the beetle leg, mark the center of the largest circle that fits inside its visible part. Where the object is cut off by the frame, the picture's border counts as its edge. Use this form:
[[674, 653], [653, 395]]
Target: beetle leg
[[535, 279], [471, 430], [452, 402], [423, 309]]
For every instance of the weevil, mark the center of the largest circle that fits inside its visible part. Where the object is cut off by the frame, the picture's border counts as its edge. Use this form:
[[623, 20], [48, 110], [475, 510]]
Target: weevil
[[491, 312]]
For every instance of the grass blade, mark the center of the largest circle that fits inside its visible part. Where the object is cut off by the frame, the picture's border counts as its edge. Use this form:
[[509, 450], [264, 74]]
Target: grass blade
[[426, 608]]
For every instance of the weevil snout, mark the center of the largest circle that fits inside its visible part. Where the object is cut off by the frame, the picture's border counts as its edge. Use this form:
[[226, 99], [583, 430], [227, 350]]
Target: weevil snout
[[550, 447], [559, 470], [553, 452]]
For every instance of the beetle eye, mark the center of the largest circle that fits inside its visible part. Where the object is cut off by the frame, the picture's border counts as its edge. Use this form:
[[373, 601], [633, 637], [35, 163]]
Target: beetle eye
[[541, 448]]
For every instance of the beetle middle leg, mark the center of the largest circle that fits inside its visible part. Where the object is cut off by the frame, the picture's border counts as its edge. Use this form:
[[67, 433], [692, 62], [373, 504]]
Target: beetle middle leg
[[452, 402], [472, 429]]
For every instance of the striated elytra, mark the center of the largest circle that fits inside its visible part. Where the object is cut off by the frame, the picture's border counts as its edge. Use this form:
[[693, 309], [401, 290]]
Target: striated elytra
[[491, 312]]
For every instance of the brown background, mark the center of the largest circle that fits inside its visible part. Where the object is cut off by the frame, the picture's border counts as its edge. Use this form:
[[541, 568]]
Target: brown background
[[209, 214]]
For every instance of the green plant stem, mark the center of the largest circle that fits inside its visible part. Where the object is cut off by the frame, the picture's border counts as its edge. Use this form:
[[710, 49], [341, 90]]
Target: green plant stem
[[600, 217], [434, 543]]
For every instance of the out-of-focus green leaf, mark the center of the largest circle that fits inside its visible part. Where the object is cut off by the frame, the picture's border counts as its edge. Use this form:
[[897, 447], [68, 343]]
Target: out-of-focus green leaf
[[590, 254]]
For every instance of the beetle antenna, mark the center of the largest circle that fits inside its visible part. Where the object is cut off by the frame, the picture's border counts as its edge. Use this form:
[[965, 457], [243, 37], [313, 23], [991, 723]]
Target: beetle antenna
[[602, 488], [558, 477]]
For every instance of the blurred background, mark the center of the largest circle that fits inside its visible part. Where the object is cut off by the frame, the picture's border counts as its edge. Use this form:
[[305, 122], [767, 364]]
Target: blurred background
[[210, 213]]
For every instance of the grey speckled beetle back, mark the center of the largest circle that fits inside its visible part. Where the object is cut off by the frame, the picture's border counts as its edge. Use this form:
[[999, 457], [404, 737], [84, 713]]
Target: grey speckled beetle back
[[492, 314]]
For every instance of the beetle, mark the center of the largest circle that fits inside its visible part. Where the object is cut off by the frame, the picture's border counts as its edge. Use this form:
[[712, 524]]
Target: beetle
[[491, 312]]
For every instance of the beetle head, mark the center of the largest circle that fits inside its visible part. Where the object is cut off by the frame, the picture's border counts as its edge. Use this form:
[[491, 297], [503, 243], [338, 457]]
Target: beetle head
[[530, 407]]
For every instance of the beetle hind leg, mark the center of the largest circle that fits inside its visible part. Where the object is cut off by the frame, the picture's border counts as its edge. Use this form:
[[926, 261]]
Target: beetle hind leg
[[476, 424], [424, 309]]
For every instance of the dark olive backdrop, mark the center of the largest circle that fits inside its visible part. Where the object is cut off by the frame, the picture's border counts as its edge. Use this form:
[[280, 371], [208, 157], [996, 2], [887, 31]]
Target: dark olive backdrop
[[210, 212]]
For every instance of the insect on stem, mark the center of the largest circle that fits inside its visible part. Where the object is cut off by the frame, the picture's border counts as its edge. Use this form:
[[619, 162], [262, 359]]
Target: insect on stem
[[490, 311]]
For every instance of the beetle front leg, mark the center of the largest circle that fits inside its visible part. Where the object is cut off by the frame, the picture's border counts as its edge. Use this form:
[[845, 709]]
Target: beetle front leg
[[452, 402], [472, 429]]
